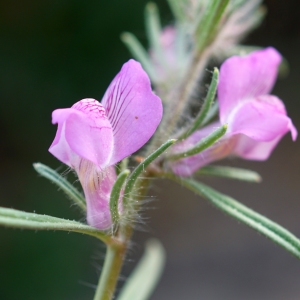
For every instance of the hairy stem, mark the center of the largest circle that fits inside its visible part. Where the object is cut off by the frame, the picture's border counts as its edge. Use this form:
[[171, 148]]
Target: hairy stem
[[186, 89], [110, 272], [115, 253]]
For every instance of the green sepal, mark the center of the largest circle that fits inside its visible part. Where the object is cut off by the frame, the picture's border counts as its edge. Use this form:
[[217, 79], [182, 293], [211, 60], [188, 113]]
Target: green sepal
[[202, 144], [242, 213], [138, 52], [144, 278], [199, 120], [143, 165], [62, 183], [229, 172], [24, 220], [115, 195]]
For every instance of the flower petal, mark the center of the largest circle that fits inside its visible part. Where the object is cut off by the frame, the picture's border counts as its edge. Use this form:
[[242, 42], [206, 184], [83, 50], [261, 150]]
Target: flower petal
[[132, 109], [248, 148], [246, 77], [82, 134], [60, 148], [97, 185], [262, 119]]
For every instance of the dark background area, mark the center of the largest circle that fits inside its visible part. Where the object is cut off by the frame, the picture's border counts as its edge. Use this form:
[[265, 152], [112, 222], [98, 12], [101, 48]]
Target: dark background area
[[54, 53]]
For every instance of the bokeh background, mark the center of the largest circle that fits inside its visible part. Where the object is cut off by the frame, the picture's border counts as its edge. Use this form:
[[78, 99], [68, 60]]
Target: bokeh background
[[54, 53]]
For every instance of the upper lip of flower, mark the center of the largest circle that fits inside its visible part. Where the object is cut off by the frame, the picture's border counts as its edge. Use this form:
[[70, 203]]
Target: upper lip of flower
[[108, 132]]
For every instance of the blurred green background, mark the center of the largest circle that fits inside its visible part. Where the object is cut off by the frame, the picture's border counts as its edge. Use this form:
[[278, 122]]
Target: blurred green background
[[54, 53]]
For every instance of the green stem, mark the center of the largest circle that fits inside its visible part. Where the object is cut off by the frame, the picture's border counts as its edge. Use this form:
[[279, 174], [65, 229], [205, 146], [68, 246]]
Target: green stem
[[110, 272], [115, 253], [142, 167]]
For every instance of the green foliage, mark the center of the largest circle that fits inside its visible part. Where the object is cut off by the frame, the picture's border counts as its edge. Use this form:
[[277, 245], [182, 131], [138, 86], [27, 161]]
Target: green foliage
[[231, 173], [62, 183], [19, 219], [242, 213], [144, 278]]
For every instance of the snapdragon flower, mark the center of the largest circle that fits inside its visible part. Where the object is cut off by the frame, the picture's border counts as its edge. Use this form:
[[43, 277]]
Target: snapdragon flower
[[92, 136], [256, 120]]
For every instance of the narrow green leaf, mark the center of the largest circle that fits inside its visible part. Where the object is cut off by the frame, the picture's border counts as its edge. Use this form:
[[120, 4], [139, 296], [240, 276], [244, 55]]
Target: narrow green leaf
[[141, 167], [202, 144], [62, 183], [20, 219], [138, 52], [145, 276], [233, 208], [153, 28], [229, 172], [177, 9], [207, 27], [115, 195], [211, 114], [206, 105]]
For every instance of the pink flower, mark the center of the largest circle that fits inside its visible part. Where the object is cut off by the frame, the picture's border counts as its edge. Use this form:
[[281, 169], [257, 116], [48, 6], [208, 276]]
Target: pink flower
[[92, 136], [256, 120]]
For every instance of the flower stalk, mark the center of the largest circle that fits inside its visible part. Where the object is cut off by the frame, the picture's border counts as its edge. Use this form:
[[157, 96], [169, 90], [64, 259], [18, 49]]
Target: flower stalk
[[110, 273]]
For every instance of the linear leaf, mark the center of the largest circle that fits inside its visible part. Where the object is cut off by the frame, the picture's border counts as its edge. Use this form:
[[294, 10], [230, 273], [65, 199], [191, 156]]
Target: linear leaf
[[242, 213], [62, 183], [153, 28], [141, 167], [138, 52], [202, 144], [177, 9], [145, 276], [207, 27], [211, 113], [20, 219], [229, 172], [206, 105]]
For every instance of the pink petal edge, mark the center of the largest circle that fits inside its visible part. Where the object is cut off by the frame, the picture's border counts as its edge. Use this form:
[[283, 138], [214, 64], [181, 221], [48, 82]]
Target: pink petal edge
[[133, 110], [246, 77]]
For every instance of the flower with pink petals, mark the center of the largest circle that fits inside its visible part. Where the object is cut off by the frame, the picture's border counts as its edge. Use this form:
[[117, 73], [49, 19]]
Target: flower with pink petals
[[256, 120], [92, 136]]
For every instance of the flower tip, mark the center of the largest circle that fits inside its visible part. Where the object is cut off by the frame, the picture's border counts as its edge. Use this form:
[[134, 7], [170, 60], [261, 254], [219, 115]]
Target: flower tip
[[294, 133], [258, 178], [272, 54], [151, 6], [216, 70], [36, 165], [126, 172], [125, 36]]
